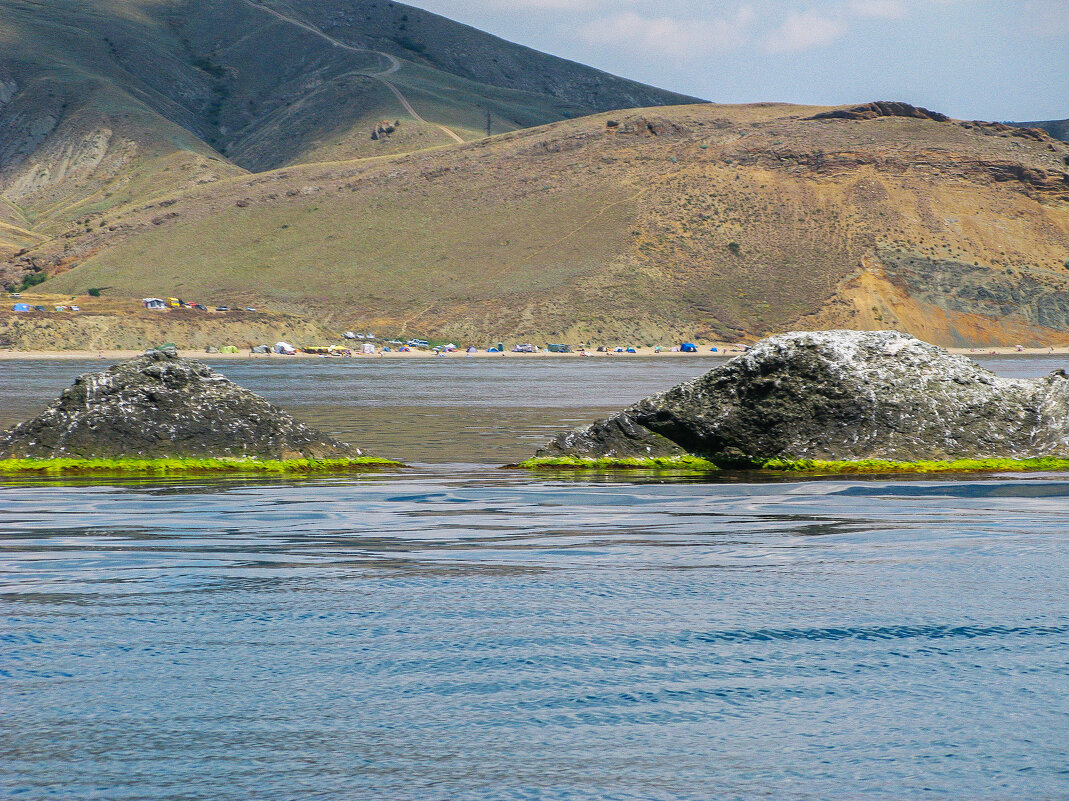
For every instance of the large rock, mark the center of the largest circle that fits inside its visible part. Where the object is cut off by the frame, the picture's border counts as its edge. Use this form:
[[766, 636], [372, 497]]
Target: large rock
[[160, 405], [838, 395]]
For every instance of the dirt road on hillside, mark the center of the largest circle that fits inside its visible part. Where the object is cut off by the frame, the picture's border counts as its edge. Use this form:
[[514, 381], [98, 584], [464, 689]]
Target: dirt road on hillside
[[394, 63]]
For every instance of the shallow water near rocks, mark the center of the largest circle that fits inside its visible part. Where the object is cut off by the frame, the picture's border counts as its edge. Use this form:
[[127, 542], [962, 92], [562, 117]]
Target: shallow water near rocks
[[457, 631]]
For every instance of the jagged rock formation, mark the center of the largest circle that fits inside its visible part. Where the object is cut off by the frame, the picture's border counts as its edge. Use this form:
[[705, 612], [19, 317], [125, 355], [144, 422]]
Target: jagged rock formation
[[838, 395], [160, 405], [881, 108]]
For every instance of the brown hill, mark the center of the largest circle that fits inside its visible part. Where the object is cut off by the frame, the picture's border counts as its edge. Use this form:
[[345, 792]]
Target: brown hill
[[706, 220]]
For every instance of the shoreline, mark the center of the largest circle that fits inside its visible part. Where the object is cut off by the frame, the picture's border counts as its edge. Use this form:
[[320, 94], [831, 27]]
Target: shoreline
[[723, 352]]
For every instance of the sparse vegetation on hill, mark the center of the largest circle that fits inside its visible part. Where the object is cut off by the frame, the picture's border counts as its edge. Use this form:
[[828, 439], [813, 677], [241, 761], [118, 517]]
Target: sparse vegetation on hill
[[705, 221], [104, 105], [157, 147]]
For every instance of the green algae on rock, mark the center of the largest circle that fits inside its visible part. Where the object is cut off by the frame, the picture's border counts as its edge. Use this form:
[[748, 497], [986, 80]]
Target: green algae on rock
[[191, 466], [810, 466], [682, 463], [992, 465], [837, 396]]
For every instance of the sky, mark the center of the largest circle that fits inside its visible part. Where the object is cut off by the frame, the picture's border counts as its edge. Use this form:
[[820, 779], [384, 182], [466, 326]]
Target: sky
[[972, 59]]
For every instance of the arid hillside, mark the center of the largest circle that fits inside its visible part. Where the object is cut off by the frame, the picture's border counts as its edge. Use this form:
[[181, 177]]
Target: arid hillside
[[112, 102], [702, 220]]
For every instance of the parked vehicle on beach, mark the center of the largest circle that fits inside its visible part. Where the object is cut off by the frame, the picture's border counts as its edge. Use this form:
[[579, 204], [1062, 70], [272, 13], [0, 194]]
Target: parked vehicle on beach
[[418, 343]]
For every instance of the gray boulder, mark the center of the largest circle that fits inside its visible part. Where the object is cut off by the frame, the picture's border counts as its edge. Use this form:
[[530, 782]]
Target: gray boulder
[[160, 405], [838, 395]]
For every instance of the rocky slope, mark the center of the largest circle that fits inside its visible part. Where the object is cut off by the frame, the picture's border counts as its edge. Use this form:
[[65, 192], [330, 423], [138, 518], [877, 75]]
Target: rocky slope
[[635, 227], [160, 405], [838, 395]]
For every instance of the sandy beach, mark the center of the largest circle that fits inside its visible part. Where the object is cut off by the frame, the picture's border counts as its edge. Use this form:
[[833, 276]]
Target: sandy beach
[[704, 350]]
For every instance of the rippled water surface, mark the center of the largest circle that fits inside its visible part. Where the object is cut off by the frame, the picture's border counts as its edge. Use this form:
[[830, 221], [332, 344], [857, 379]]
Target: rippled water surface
[[456, 631]]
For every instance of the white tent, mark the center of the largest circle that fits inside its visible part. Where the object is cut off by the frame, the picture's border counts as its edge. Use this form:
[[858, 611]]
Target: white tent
[[285, 348]]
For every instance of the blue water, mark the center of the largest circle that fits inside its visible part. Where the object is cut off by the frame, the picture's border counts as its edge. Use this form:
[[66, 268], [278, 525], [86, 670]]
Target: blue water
[[456, 631]]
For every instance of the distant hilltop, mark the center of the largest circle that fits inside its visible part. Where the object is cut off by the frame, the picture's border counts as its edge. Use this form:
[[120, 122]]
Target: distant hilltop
[[1059, 129], [108, 104]]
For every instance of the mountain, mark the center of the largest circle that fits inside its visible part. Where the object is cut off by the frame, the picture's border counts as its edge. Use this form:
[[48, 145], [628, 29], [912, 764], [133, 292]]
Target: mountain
[[107, 103], [1059, 129], [636, 226]]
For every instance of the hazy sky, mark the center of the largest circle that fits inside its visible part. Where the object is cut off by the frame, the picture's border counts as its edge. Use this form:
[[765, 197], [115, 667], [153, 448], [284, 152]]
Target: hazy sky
[[983, 59]]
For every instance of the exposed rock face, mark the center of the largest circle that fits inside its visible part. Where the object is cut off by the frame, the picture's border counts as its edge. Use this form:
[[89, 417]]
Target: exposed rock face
[[881, 108], [839, 395], [160, 405]]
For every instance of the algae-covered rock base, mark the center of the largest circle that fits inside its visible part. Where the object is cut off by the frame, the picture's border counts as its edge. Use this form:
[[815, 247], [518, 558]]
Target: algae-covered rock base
[[835, 401], [172, 467], [160, 414], [696, 464]]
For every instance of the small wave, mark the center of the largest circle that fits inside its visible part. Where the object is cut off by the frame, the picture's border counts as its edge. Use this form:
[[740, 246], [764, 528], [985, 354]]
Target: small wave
[[864, 633]]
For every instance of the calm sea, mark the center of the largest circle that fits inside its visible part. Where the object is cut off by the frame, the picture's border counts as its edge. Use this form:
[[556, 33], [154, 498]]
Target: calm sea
[[455, 631]]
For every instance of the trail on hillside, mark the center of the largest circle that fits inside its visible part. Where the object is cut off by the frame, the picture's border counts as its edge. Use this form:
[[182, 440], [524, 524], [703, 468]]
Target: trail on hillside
[[394, 63], [412, 111]]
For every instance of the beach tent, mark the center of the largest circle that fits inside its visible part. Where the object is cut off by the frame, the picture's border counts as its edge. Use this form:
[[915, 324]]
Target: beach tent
[[261, 349], [368, 349], [284, 348], [22, 307], [228, 349], [688, 347]]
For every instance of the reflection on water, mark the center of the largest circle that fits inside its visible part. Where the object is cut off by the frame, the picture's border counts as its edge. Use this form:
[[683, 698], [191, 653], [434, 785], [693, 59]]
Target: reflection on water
[[456, 631], [415, 410]]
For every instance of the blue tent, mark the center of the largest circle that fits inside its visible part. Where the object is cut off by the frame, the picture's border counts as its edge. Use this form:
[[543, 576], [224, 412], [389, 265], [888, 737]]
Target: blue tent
[[22, 307], [688, 347]]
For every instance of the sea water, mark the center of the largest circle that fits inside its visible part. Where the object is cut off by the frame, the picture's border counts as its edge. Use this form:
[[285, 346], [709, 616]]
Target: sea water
[[456, 631]]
